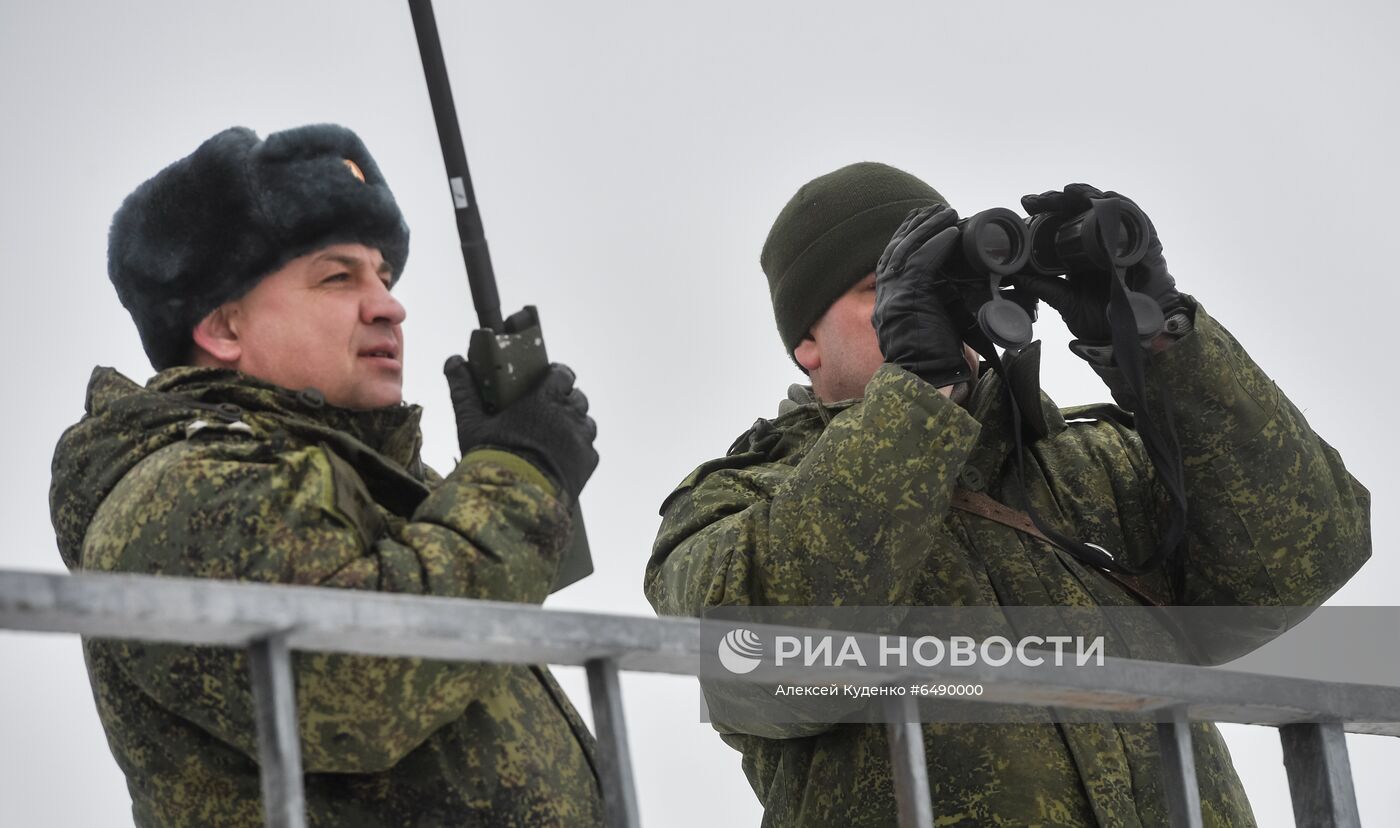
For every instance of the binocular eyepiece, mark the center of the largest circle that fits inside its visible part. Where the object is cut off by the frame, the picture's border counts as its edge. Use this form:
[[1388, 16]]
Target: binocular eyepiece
[[1059, 244], [997, 243]]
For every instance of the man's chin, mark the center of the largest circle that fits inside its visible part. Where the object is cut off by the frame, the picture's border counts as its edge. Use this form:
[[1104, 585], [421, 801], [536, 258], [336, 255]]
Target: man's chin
[[367, 397], [387, 400]]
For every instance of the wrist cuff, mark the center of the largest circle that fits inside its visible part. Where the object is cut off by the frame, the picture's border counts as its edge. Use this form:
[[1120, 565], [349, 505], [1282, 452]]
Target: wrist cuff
[[514, 463], [1178, 323]]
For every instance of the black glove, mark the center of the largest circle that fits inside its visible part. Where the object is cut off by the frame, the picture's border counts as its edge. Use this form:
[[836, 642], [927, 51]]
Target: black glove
[[1081, 297], [549, 426], [914, 330]]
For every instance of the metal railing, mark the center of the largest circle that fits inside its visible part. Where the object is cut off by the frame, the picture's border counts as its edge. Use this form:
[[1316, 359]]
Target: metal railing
[[272, 621]]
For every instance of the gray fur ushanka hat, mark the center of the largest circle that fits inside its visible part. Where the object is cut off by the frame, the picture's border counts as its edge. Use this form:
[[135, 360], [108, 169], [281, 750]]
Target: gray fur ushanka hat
[[206, 229]]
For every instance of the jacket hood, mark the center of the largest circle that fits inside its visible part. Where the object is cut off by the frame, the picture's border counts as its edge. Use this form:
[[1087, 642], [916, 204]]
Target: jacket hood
[[124, 422]]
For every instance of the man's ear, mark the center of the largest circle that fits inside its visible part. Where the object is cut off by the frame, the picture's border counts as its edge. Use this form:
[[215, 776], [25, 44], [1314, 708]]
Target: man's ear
[[807, 354], [217, 336]]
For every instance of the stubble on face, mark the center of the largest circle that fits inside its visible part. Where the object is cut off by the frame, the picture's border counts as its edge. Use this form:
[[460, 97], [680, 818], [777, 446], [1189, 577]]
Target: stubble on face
[[849, 351], [846, 344]]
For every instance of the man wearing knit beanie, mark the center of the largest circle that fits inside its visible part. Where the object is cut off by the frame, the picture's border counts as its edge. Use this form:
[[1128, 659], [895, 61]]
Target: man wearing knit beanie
[[274, 446], [820, 261], [882, 484]]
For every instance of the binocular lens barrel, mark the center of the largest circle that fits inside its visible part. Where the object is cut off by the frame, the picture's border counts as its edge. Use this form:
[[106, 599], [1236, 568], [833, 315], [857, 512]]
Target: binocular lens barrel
[[1059, 244], [995, 241]]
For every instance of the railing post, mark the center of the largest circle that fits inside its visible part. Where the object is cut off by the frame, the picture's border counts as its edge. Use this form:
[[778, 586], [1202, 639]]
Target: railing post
[[906, 736], [614, 761], [1179, 768], [1319, 775], [279, 740]]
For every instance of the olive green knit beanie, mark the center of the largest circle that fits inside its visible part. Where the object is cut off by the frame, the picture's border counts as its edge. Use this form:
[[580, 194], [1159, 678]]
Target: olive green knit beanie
[[829, 237]]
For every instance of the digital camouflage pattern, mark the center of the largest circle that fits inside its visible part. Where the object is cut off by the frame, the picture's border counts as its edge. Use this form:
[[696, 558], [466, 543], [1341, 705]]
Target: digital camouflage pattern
[[279, 487], [849, 505]]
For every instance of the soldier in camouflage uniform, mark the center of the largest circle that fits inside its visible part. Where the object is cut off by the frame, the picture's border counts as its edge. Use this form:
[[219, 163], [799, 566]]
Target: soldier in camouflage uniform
[[849, 497], [273, 446]]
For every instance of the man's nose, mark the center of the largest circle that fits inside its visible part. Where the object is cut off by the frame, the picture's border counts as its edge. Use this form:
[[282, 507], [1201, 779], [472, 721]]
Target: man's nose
[[381, 306]]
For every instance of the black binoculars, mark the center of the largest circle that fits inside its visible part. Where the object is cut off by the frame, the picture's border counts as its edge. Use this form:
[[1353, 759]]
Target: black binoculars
[[997, 243]]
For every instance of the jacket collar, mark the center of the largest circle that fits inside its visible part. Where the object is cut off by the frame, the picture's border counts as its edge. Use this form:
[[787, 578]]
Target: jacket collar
[[1040, 417], [392, 431]]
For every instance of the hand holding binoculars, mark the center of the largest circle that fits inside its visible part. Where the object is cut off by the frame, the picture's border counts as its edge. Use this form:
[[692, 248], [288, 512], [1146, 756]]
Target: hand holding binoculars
[[1110, 236]]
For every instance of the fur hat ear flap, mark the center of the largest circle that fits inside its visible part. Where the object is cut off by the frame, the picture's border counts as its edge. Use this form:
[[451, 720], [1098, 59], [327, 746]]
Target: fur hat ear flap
[[210, 226]]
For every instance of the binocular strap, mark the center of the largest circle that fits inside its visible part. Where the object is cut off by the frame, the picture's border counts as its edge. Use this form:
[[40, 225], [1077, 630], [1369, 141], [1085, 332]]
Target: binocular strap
[[1159, 439]]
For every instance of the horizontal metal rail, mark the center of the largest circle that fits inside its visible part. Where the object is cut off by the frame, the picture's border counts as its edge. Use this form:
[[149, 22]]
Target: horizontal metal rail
[[192, 611], [189, 611]]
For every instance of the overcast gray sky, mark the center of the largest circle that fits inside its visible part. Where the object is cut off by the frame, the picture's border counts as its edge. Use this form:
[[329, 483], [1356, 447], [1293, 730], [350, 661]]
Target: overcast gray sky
[[629, 159]]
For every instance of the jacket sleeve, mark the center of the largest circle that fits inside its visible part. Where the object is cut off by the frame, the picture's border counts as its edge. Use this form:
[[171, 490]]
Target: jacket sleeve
[[493, 529], [848, 524], [1274, 518]]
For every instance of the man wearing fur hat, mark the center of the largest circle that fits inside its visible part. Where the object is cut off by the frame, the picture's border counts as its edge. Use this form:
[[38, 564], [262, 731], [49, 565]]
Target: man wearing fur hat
[[892, 481], [273, 446]]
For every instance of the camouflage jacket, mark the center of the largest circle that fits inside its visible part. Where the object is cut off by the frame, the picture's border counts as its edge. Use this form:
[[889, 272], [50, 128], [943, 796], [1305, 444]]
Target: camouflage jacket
[[850, 505], [278, 487]]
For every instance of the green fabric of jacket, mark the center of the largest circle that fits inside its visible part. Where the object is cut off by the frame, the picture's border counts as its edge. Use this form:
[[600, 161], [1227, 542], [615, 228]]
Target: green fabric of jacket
[[849, 505], [207, 473]]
